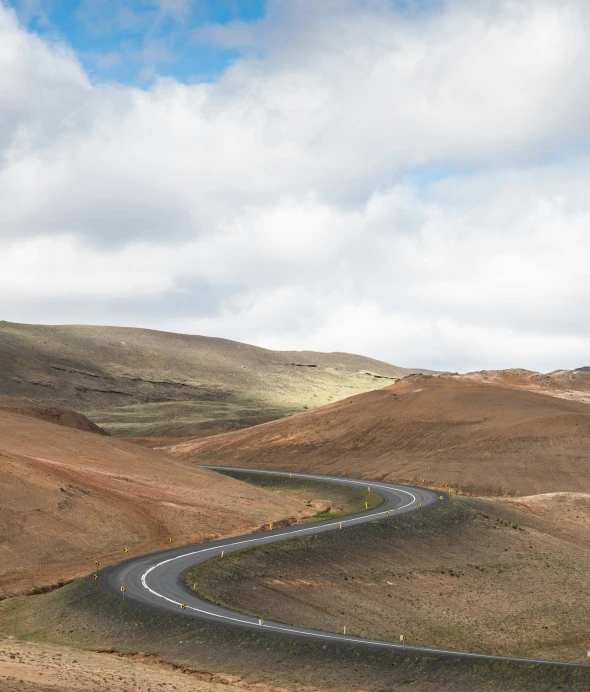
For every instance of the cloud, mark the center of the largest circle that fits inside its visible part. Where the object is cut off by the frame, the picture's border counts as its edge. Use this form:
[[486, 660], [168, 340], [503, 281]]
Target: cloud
[[409, 185]]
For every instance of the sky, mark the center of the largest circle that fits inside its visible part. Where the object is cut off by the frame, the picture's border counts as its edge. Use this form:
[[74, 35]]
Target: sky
[[405, 179]]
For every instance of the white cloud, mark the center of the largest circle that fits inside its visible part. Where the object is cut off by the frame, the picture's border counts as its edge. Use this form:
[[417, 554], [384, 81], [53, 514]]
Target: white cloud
[[282, 205]]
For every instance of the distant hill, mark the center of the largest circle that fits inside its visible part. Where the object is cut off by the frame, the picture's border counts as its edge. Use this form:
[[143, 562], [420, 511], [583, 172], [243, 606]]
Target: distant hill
[[564, 384], [142, 382], [479, 437]]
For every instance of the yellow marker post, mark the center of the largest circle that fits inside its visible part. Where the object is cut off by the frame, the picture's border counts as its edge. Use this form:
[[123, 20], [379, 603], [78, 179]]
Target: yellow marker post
[[95, 576], [222, 553], [230, 461], [423, 480], [290, 474], [344, 632], [169, 540], [440, 497], [271, 525], [420, 504], [366, 505], [388, 511], [369, 489], [183, 606], [195, 586], [346, 472], [125, 550], [340, 524], [123, 589], [97, 563]]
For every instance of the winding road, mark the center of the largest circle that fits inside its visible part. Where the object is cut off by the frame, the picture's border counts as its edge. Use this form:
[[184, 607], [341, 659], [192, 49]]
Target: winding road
[[157, 580]]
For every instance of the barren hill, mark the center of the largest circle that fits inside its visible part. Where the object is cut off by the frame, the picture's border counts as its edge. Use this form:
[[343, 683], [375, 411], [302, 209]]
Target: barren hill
[[51, 414], [476, 436], [564, 384], [70, 497], [150, 383]]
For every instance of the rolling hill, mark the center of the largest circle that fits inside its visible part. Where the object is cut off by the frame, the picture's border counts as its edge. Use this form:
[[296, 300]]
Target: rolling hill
[[139, 382], [69, 497], [479, 437]]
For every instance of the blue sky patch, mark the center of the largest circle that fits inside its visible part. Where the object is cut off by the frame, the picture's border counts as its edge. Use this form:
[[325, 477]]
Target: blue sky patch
[[133, 42]]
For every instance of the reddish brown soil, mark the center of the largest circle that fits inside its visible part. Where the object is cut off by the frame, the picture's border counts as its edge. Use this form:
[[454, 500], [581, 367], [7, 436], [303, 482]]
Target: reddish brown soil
[[478, 437], [69, 497], [51, 414], [564, 384]]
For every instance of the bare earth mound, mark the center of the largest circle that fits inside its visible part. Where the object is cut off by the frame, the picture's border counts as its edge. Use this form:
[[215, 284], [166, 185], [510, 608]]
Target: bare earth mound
[[51, 414], [69, 497], [479, 438], [145, 383]]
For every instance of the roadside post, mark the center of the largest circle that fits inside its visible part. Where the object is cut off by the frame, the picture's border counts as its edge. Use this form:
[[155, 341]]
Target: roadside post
[[402, 638], [123, 589]]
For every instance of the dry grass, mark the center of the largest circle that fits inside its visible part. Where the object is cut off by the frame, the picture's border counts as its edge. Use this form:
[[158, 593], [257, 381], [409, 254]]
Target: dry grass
[[41, 667], [140, 382]]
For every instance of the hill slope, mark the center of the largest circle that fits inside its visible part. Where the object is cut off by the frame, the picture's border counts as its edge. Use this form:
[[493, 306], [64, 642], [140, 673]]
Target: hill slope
[[475, 436], [563, 384], [69, 497], [50, 414], [150, 383]]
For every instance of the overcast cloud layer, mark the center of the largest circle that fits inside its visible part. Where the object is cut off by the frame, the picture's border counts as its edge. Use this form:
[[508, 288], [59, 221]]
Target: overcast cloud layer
[[411, 186]]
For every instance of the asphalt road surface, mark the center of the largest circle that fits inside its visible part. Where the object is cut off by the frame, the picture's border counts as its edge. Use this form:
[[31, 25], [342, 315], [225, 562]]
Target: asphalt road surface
[[157, 580]]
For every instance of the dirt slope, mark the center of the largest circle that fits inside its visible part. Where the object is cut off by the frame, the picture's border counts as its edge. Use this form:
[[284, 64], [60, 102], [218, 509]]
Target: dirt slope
[[563, 384], [50, 414], [148, 383], [477, 437], [69, 497]]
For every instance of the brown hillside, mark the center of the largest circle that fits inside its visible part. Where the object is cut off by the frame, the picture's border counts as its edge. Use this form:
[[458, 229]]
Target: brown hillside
[[69, 497], [50, 414], [563, 384], [478, 437]]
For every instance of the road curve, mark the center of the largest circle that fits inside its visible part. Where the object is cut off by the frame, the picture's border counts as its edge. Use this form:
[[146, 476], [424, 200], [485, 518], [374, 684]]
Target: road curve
[[157, 580]]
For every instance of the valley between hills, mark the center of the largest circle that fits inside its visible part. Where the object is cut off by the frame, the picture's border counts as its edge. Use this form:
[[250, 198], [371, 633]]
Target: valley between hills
[[102, 431]]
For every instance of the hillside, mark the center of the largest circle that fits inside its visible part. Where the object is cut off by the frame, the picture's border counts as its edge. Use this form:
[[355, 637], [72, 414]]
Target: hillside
[[471, 575], [140, 382], [69, 497], [563, 384], [50, 414], [478, 437]]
